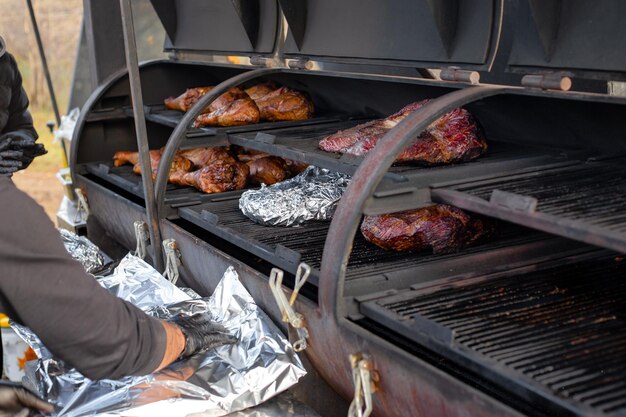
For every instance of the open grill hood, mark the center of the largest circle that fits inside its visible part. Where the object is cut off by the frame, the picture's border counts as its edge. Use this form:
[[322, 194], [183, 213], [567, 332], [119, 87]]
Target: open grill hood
[[553, 172]]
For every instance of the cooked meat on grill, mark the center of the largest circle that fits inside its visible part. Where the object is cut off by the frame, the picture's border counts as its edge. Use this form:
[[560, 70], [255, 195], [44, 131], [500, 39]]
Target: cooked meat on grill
[[205, 156], [257, 91], [218, 177], [247, 155], [179, 164], [268, 170], [454, 137], [125, 157], [296, 167], [440, 227], [232, 108], [185, 101], [285, 104]]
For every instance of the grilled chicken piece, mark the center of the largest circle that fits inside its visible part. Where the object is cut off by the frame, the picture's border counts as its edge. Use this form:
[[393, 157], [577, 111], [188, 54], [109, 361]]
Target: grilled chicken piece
[[454, 137], [296, 167], [247, 155], [185, 101], [268, 170], [233, 108], [205, 156], [218, 177], [179, 165], [125, 157], [260, 90], [284, 104], [440, 227]]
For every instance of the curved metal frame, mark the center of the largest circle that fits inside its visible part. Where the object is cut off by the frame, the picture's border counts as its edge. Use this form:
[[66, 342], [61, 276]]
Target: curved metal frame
[[346, 219], [178, 135]]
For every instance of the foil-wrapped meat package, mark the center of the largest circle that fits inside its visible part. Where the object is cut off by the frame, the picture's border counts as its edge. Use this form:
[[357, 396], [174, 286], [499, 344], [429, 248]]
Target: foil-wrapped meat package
[[310, 195], [213, 383], [82, 250]]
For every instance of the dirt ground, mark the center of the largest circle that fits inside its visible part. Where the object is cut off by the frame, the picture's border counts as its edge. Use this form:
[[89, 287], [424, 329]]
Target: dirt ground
[[43, 187]]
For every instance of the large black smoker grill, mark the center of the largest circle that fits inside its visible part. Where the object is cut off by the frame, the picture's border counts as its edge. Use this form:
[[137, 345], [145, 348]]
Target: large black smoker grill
[[531, 323]]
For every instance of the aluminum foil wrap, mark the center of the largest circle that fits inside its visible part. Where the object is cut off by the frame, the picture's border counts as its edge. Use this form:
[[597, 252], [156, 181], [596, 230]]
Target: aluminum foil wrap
[[310, 195], [214, 383], [83, 251]]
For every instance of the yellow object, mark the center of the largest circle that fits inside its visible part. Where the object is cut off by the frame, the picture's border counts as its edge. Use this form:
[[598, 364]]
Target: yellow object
[[4, 321]]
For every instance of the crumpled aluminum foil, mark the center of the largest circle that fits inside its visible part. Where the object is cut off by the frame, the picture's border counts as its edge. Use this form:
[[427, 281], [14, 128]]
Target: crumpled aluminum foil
[[217, 382], [310, 195], [83, 251]]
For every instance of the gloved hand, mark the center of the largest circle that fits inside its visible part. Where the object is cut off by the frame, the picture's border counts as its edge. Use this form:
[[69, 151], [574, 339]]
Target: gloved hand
[[18, 147], [17, 401], [201, 334]]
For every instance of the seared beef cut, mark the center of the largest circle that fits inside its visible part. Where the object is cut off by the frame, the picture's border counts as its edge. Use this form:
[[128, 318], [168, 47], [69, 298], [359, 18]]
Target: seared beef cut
[[284, 104], [232, 108], [440, 227], [260, 90], [268, 170], [205, 156], [454, 137], [185, 101], [218, 177]]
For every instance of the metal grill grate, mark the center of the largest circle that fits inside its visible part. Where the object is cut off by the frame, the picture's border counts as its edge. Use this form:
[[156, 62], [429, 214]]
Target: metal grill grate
[[585, 202], [556, 334], [306, 243]]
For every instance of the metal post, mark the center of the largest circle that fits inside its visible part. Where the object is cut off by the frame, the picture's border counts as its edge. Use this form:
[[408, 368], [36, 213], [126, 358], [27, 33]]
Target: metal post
[[132, 65]]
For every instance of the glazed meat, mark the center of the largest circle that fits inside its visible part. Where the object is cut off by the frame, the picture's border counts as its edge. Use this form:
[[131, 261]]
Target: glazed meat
[[218, 177], [296, 167], [440, 227], [268, 170], [233, 108], [284, 104], [125, 157], [454, 137], [260, 90], [179, 165], [205, 156], [185, 101]]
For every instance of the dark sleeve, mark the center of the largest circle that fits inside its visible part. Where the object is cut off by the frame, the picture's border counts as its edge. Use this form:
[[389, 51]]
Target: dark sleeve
[[42, 287], [20, 119]]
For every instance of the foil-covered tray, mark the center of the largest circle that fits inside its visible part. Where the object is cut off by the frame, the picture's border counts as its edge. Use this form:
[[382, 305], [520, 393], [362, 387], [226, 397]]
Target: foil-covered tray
[[310, 195], [214, 383]]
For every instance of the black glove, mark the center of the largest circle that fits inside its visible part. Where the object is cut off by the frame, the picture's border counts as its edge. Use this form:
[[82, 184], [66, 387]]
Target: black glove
[[18, 146], [17, 401], [202, 334]]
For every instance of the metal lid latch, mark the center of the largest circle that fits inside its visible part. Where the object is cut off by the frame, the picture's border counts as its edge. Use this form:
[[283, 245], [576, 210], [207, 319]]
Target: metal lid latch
[[365, 378], [82, 207], [142, 237], [172, 260], [289, 315]]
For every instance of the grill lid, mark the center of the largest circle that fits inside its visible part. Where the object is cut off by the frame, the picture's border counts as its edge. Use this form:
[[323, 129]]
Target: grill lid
[[222, 27], [581, 37], [418, 33]]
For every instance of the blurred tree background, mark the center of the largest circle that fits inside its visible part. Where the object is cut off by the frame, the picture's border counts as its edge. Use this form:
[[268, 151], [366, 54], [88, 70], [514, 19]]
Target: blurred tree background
[[60, 24]]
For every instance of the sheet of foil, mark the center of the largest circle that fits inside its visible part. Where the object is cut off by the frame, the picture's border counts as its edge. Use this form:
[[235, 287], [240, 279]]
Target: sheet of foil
[[83, 251], [310, 195], [214, 383]]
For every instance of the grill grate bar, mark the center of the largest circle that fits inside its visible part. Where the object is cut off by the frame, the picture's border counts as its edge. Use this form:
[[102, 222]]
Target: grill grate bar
[[556, 333]]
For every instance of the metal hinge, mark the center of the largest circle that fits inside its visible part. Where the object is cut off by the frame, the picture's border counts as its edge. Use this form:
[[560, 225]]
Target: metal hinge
[[365, 379], [142, 237], [289, 315], [172, 260], [303, 64], [82, 207], [457, 74], [560, 81]]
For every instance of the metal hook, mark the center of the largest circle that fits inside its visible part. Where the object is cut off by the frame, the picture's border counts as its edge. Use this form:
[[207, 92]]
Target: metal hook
[[142, 237], [172, 260]]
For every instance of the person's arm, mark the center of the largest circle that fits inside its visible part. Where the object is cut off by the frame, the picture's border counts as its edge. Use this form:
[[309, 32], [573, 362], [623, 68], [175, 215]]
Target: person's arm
[[20, 121], [42, 287]]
